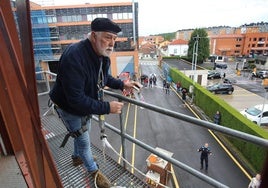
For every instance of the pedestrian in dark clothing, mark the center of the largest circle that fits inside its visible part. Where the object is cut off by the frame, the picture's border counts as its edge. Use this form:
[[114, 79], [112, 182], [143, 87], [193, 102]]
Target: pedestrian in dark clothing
[[154, 79], [217, 118], [150, 82], [184, 93], [205, 151], [164, 84], [82, 74], [167, 88]]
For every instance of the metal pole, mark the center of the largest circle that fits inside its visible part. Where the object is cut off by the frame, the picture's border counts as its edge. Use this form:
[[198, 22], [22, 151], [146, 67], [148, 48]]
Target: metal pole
[[196, 54], [122, 133], [134, 22]]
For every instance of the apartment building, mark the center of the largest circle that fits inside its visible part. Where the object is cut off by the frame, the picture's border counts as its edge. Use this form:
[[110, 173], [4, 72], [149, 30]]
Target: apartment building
[[55, 27], [234, 41]]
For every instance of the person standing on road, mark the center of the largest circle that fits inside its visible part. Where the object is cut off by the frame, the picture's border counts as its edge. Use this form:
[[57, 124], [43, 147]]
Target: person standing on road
[[255, 182], [164, 84], [82, 73], [217, 118], [178, 86], [205, 151], [184, 93], [167, 88]]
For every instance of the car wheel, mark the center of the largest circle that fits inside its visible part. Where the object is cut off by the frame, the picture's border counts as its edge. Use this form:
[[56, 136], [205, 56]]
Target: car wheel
[[255, 122], [230, 92], [213, 92]]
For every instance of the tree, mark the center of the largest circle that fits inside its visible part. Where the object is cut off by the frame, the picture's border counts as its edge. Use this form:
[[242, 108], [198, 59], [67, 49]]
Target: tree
[[203, 45]]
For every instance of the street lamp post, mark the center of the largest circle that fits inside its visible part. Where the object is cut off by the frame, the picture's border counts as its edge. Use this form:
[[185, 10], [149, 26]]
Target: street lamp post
[[194, 58]]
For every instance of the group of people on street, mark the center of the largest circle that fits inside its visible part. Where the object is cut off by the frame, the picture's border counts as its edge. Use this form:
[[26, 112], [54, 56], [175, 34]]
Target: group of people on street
[[166, 86], [152, 80]]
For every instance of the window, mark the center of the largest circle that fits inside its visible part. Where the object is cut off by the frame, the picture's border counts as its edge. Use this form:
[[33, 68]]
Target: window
[[265, 114], [89, 17], [125, 16], [115, 16], [130, 16], [120, 16]]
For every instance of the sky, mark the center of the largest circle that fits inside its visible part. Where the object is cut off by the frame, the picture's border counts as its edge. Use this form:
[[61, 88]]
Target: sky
[[165, 16]]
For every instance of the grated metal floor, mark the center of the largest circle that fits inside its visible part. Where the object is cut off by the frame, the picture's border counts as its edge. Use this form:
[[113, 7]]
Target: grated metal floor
[[77, 176]]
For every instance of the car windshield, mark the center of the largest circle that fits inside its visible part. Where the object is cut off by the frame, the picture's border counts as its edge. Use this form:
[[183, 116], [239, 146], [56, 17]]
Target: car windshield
[[253, 111], [215, 85]]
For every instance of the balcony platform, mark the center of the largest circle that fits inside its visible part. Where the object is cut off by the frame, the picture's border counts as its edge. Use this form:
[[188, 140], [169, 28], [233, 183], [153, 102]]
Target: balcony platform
[[77, 176]]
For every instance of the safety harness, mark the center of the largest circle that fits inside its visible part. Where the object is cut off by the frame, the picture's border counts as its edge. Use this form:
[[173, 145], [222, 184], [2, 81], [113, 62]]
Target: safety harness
[[83, 128]]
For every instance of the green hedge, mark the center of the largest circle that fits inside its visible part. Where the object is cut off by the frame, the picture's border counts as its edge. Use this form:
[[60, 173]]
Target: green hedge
[[233, 119]]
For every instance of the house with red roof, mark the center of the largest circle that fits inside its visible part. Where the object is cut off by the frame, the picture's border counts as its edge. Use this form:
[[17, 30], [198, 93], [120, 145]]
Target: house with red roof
[[178, 47]]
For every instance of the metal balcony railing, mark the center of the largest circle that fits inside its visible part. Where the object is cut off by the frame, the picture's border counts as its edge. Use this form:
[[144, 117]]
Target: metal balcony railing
[[205, 124]]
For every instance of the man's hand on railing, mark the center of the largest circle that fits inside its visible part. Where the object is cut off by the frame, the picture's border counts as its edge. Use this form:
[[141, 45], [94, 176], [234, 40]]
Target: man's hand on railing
[[116, 107], [132, 84]]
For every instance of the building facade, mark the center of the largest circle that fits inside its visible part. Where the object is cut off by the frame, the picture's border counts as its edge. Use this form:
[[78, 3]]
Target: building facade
[[55, 27], [178, 48], [245, 40]]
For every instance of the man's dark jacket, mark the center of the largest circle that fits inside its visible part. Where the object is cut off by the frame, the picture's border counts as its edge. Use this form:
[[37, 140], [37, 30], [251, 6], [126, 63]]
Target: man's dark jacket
[[76, 90]]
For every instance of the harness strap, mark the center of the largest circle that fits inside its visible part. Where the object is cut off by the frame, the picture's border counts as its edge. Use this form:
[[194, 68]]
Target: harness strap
[[74, 135]]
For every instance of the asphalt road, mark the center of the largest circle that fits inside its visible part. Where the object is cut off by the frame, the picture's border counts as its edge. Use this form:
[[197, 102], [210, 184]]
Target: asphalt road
[[177, 136]]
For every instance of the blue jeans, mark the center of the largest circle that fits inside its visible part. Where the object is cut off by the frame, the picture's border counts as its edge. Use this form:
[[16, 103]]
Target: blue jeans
[[82, 143]]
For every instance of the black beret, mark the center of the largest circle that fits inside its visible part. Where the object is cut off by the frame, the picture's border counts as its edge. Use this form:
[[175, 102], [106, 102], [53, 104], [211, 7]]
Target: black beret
[[104, 24]]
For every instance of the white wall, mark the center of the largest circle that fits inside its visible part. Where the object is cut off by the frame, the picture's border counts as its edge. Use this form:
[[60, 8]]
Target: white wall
[[178, 50]]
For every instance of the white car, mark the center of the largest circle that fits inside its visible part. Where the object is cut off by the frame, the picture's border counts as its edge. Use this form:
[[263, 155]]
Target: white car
[[257, 114]]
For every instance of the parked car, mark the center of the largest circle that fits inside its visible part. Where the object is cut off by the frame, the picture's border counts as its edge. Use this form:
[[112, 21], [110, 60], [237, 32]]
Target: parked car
[[221, 88], [221, 65], [257, 114], [262, 74], [229, 81], [214, 75]]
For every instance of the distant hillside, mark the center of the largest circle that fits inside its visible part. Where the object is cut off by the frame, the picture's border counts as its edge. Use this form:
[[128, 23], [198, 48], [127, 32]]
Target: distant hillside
[[167, 36]]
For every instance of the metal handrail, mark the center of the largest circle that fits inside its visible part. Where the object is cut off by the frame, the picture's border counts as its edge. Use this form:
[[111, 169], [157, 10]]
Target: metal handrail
[[228, 131], [205, 124], [46, 80]]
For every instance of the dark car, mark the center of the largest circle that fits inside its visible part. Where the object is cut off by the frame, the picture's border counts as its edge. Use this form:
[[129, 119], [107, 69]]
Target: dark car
[[214, 75], [229, 81], [221, 88], [221, 65]]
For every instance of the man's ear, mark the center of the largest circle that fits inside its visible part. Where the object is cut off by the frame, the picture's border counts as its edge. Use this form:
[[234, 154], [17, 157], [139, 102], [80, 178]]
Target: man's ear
[[94, 36]]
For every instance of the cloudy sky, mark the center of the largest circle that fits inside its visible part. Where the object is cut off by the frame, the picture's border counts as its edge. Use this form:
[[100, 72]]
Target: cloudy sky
[[163, 16]]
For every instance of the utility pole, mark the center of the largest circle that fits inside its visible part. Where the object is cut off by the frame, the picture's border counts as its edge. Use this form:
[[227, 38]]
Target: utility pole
[[195, 54]]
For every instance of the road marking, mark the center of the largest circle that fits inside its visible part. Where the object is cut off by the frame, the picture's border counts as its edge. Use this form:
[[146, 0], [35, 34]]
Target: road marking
[[174, 177], [125, 127], [221, 144], [134, 136], [230, 155]]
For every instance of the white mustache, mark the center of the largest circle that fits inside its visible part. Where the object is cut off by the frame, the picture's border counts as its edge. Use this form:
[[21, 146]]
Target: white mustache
[[110, 49]]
